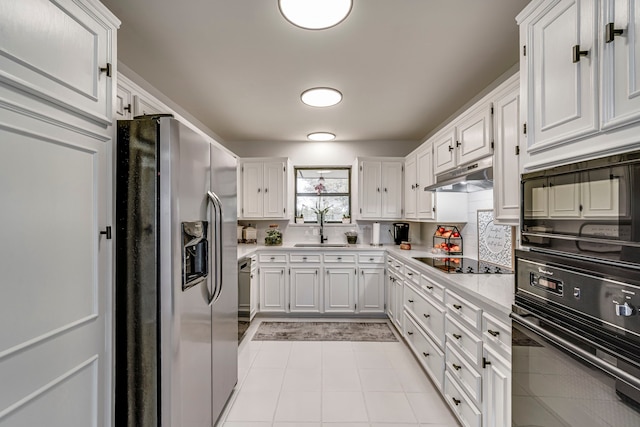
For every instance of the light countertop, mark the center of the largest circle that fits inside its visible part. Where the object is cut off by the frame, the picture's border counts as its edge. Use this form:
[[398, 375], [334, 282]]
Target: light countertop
[[493, 291]]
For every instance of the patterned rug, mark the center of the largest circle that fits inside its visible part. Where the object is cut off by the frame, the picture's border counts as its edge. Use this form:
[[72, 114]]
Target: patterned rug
[[323, 331], [242, 329]]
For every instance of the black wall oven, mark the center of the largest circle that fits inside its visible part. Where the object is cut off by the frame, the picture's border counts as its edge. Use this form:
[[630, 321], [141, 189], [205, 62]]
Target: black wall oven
[[576, 317]]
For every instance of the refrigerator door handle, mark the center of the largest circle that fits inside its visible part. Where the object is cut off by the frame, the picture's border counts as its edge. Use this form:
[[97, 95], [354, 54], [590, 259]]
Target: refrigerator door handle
[[217, 241]]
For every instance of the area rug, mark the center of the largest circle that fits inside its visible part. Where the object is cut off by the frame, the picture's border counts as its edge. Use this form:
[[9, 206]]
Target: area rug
[[323, 331], [242, 329]]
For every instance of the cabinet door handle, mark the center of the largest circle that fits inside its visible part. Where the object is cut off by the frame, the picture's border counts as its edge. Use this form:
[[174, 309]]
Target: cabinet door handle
[[485, 362], [425, 354], [409, 333], [457, 336], [413, 187], [610, 32], [456, 367], [385, 190], [458, 143], [450, 148], [456, 401], [430, 288], [457, 306], [493, 333], [411, 301], [577, 53], [259, 190], [378, 189], [426, 316], [266, 190], [417, 185]]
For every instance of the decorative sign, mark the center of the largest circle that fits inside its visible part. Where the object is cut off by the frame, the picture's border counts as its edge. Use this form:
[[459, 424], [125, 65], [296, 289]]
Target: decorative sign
[[495, 242]]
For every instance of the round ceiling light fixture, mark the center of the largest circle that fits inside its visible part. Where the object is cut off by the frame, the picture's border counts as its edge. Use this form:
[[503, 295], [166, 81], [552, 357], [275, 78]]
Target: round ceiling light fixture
[[321, 136], [315, 14], [321, 97]]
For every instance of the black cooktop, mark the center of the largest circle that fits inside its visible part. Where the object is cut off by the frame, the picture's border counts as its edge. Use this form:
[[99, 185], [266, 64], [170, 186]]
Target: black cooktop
[[464, 266]]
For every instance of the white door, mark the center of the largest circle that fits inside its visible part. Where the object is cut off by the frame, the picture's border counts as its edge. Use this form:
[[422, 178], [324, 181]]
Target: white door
[[410, 183], [474, 136], [272, 289], [339, 290], [496, 385], [506, 184], [424, 199], [391, 189], [273, 191], [304, 289], [444, 146], [371, 290], [621, 57], [565, 93], [370, 189], [55, 309], [252, 194], [123, 104]]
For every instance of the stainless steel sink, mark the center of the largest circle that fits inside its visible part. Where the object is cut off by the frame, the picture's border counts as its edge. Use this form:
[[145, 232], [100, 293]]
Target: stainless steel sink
[[321, 245]]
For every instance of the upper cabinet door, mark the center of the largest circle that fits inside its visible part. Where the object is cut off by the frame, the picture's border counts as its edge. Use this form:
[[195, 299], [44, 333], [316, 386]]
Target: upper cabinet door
[[474, 135], [391, 189], [370, 190], [410, 183], [621, 62], [69, 44], [444, 145], [424, 203], [273, 192], [563, 87], [252, 191], [123, 103]]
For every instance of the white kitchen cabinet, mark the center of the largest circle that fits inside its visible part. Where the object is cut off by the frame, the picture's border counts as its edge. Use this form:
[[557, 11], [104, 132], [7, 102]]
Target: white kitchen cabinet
[[467, 138], [394, 298], [263, 188], [496, 372], [563, 87], [304, 289], [621, 69], [461, 405], [145, 105], [380, 188], [427, 313], [272, 288], [254, 288], [124, 97], [340, 289], [371, 290], [430, 356], [68, 59], [418, 173], [506, 171]]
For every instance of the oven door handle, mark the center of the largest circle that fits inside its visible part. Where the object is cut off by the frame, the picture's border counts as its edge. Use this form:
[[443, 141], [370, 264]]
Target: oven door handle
[[572, 348]]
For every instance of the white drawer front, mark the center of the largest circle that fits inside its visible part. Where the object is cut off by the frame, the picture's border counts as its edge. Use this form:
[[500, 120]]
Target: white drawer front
[[426, 351], [273, 258], [340, 258], [395, 265], [461, 405], [429, 316], [497, 334], [309, 258], [462, 309], [464, 341], [470, 380], [371, 258], [431, 287], [411, 275]]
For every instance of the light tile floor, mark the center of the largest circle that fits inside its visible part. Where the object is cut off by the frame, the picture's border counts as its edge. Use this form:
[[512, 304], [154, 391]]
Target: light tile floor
[[332, 384]]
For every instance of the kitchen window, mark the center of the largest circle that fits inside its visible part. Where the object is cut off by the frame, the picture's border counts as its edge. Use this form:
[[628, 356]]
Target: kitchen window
[[325, 190]]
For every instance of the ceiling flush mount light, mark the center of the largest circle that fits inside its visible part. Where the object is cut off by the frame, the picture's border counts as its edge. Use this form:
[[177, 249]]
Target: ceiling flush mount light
[[321, 97], [315, 14], [321, 136]]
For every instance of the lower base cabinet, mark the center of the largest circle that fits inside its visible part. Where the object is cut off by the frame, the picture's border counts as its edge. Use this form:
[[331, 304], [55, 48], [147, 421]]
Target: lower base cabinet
[[304, 289], [272, 289], [429, 355], [339, 289], [496, 390], [462, 406], [371, 290]]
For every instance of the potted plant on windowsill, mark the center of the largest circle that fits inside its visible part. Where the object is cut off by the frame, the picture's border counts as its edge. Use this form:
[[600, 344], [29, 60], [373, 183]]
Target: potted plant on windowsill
[[346, 219], [299, 219]]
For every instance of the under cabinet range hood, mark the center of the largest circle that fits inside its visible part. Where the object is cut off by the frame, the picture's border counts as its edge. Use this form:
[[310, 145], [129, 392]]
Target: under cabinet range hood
[[468, 178]]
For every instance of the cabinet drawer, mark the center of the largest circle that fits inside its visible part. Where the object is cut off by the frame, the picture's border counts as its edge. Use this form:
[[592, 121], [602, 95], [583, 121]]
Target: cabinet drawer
[[462, 309], [315, 258], [431, 287], [372, 258], [464, 341], [395, 265], [272, 258], [340, 258], [497, 334], [425, 350], [428, 315], [465, 410], [468, 378], [412, 276]]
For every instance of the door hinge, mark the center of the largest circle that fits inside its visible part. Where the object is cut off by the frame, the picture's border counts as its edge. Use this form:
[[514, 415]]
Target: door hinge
[[242, 169], [402, 168], [360, 168], [284, 210], [284, 169], [360, 210], [492, 145], [524, 50], [107, 232], [289, 306], [106, 69], [524, 128], [517, 150], [289, 272], [492, 111]]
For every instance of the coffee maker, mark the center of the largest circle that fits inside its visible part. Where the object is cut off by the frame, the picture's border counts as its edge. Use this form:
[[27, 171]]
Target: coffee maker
[[400, 232]]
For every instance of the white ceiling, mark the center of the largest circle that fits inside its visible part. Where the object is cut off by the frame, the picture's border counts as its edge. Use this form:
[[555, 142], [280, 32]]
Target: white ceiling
[[239, 67]]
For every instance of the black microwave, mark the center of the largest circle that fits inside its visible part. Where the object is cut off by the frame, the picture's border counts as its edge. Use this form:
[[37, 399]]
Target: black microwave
[[589, 209]]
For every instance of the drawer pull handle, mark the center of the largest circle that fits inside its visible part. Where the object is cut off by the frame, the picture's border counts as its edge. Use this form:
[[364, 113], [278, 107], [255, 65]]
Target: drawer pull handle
[[456, 401], [339, 258], [410, 300], [370, 259], [493, 333], [304, 258], [425, 354], [409, 333], [430, 288], [456, 367], [457, 306], [457, 336], [409, 274], [426, 315], [272, 258]]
